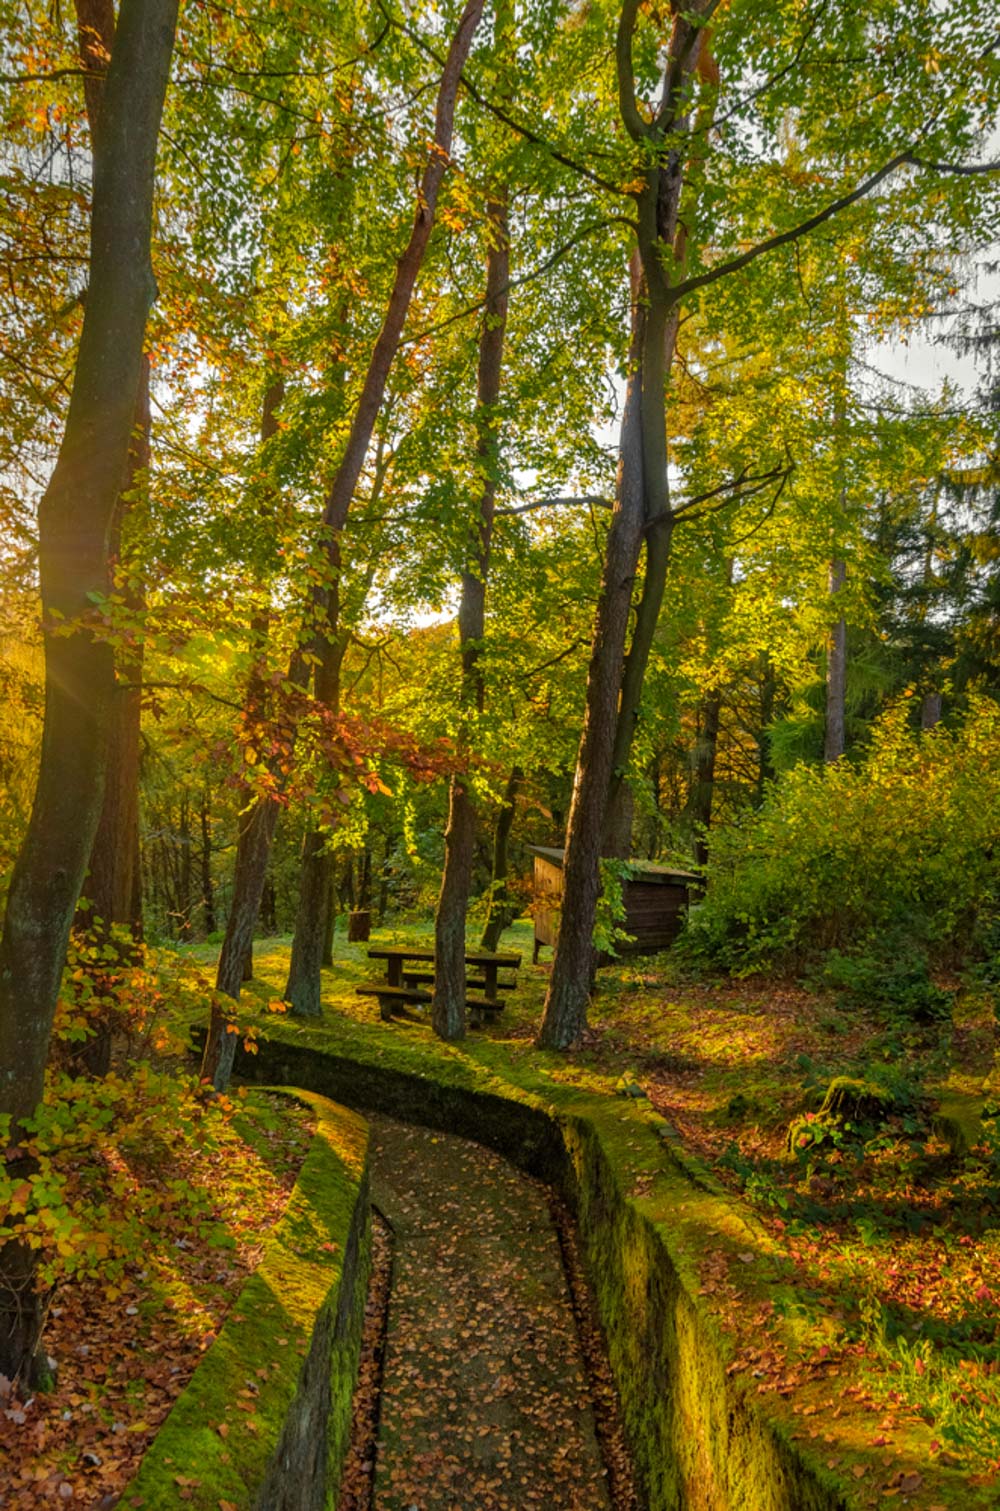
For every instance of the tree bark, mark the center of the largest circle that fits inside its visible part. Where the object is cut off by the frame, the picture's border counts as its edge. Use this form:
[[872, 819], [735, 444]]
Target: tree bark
[[303, 988], [703, 785], [207, 889], [768, 693], [74, 519], [113, 884], [448, 1002], [836, 672], [255, 833], [501, 912], [642, 508], [253, 849], [329, 919]]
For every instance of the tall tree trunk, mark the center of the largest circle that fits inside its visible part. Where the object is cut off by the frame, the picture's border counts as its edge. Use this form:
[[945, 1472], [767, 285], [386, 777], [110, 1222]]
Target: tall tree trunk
[[564, 1016], [501, 912], [113, 886], [207, 889], [642, 507], [184, 897], [768, 693], [255, 833], [836, 671], [74, 519], [303, 988], [703, 784], [330, 919], [448, 1003], [253, 849]]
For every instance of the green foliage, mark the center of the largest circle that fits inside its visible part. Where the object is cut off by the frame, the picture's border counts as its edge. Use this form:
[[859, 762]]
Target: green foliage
[[899, 845], [892, 972]]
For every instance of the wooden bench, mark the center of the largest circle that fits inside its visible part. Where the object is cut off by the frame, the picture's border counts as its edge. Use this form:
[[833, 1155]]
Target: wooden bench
[[472, 983], [392, 996]]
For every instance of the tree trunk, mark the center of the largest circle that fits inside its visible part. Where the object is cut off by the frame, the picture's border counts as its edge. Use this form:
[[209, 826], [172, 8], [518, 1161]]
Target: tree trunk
[[185, 888], [113, 885], [836, 672], [255, 833], [302, 990], [642, 507], [501, 911], [703, 785], [74, 520], [768, 693], [448, 1003], [564, 1017], [253, 850], [330, 920], [930, 709], [207, 889]]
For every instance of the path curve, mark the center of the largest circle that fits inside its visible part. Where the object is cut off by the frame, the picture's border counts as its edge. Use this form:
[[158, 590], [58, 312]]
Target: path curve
[[485, 1402]]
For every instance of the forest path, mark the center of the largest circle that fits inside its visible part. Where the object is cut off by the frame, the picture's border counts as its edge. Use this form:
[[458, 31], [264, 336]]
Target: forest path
[[485, 1401]]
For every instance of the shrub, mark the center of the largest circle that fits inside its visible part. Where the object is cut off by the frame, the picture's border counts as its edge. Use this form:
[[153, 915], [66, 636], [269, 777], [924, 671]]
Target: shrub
[[898, 845]]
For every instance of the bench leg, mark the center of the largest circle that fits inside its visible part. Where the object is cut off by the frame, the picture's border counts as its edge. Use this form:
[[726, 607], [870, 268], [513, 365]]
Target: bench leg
[[385, 1009]]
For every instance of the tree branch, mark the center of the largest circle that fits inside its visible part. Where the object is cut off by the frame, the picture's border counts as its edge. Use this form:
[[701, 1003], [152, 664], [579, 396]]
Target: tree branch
[[557, 503], [502, 115], [745, 484], [543, 267]]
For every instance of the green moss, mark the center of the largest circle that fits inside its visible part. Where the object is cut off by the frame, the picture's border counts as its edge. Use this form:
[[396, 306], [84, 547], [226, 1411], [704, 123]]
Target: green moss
[[225, 1428], [704, 1428], [857, 1101]]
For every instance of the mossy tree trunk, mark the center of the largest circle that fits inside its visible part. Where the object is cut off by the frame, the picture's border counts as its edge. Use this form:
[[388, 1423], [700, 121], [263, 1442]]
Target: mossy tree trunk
[[74, 520]]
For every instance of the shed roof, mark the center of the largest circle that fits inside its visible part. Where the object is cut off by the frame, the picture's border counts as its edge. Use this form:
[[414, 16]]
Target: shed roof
[[647, 869]]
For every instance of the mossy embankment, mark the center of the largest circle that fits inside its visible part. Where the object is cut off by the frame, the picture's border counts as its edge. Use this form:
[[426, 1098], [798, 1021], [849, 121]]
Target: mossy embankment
[[265, 1420], [734, 1390]]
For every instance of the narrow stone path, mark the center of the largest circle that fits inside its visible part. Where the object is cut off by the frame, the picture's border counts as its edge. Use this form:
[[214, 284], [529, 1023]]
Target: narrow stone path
[[485, 1404]]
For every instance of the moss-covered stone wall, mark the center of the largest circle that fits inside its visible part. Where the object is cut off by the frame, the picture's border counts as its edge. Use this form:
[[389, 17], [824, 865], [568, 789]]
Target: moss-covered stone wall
[[265, 1421], [699, 1438]]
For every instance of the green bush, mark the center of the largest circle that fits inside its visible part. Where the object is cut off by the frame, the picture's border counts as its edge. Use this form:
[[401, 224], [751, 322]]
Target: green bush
[[898, 845]]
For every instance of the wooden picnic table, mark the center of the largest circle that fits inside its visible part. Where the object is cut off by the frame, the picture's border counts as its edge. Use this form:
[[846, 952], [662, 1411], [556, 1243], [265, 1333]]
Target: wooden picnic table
[[484, 960], [402, 985]]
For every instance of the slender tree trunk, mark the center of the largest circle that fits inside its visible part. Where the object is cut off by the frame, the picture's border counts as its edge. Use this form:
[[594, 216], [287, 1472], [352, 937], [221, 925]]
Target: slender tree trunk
[[768, 693], [448, 1004], [330, 920], [303, 988], [207, 889], [703, 785], [74, 519], [642, 507], [501, 911], [836, 672], [253, 848], [255, 833], [564, 1017]]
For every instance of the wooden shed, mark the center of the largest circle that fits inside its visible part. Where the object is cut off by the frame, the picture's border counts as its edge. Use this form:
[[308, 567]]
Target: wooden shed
[[656, 899]]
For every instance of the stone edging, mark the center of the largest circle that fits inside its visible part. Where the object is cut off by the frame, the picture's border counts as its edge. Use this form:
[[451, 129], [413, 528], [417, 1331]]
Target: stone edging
[[702, 1430], [264, 1423]]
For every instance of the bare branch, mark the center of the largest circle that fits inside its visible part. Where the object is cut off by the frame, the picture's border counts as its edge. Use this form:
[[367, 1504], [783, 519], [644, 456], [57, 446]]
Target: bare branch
[[558, 503], [743, 486]]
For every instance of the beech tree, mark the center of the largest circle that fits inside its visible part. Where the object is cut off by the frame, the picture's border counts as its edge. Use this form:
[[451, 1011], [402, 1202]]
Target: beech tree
[[75, 516], [687, 194]]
